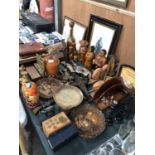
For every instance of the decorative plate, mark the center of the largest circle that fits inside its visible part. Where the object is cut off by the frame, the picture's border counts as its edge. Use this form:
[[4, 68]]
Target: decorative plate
[[89, 120], [68, 97], [48, 86]]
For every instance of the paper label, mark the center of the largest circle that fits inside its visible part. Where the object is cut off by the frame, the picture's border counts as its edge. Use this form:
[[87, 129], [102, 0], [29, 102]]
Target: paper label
[[50, 61], [49, 9]]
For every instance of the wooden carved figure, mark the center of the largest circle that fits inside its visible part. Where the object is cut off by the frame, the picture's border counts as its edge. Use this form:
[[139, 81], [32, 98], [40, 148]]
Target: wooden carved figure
[[71, 43], [102, 67], [89, 58], [100, 58], [82, 51]]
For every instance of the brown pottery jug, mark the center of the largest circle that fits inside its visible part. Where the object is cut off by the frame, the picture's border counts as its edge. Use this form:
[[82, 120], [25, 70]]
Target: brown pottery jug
[[51, 65]]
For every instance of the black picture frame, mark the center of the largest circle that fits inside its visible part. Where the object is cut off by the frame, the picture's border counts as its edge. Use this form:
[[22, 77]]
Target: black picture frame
[[112, 28]]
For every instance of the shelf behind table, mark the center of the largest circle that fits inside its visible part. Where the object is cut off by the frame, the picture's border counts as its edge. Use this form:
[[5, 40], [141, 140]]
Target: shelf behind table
[[77, 146]]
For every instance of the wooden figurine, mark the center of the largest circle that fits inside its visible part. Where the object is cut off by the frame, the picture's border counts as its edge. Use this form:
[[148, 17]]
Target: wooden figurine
[[71, 53], [112, 63], [71, 43], [100, 58], [102, 67], [75, 55], [89, 58], [82, 51], [99, 73]]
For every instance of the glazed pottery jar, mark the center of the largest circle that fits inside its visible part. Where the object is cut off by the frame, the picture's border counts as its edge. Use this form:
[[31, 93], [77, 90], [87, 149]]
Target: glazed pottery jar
[[51, 65], [30, 93]]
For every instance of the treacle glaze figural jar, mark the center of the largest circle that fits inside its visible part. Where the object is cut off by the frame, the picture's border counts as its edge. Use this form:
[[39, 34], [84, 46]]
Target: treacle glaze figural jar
[[51, 65]]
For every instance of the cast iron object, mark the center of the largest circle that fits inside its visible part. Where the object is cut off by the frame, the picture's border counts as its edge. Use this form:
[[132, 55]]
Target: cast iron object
[[81, 85], [79, 80], [123, 110]]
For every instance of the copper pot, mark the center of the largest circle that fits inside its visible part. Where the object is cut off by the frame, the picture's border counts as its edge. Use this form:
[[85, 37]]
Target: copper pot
[[51, 65]]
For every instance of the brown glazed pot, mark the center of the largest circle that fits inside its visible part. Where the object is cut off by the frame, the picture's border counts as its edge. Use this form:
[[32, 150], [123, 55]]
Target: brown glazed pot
[[51, 65]]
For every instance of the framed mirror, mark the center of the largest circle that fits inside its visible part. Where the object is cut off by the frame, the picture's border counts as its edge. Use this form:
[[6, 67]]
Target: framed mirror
[[79, 31], [119, 3], [103, 34], [127, 73]]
